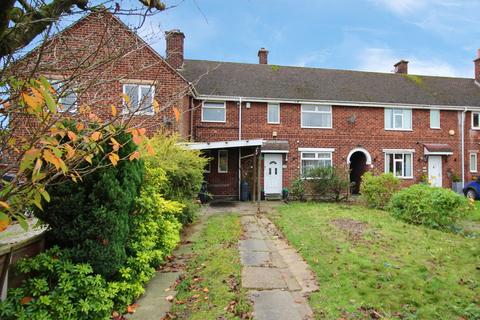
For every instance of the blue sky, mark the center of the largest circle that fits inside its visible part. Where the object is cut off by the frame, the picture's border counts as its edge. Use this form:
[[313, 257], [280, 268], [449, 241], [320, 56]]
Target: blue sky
[[438, 37]]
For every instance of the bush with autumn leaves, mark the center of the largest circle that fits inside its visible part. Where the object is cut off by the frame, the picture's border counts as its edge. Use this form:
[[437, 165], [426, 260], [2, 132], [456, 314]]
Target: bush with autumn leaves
[[113, 214]]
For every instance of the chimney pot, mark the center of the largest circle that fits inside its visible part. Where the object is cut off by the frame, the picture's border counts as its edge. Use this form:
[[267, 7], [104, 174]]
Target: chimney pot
[[401, 67], [263, 56], [175, 48]]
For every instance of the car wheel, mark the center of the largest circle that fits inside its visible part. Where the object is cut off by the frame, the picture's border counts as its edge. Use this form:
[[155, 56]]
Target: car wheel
[[471, 194]]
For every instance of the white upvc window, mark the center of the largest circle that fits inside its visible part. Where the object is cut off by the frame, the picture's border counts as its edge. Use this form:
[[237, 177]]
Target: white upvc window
[[475, 120], [434, 119], [273, 113], [316, 116], [398, 119], [140, 99], [222, 161], [473, 162], [400, 163], [311, 158], [67, 97], [214, 111]]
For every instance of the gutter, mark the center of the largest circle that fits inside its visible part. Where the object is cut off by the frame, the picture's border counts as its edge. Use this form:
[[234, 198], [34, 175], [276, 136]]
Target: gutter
[[336, 102]]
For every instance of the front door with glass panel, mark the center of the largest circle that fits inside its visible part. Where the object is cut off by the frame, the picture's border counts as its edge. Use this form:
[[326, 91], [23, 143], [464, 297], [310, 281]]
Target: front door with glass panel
[[272, 173], [435, 170]]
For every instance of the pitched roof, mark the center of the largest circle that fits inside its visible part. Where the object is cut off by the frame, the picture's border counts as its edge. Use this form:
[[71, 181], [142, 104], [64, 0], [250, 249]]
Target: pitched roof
[[297, 83]]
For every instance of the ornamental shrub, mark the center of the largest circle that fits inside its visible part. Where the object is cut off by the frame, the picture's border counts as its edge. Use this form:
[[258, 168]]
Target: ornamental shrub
[[59, 289], [378, 190], [183, 171], [433, 207], [297, 189], [154, 233], [330, 183], [90, 217]]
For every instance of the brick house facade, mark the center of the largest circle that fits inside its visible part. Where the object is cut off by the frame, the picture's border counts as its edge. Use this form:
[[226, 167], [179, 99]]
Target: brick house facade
[[248, 118]]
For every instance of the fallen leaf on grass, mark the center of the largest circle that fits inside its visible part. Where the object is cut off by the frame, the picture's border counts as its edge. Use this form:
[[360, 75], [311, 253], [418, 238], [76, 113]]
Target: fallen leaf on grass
[[169, 298], [205, 290], [131, 308]]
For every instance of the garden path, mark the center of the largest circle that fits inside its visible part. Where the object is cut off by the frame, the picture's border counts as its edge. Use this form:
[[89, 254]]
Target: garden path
[[279, 280]]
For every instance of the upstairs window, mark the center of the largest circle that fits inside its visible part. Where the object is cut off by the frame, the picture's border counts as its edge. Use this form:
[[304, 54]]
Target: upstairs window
[[316, 116], [399, 163], [273, 113], [475, 120], [67, 98], [213, 111], [222, 161], [140, 99], [320, 158], [398, 119], [434, 119]]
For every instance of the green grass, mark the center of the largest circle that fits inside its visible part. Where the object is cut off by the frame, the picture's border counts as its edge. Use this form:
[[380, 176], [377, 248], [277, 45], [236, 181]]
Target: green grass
[[398, 270], [211, 287]]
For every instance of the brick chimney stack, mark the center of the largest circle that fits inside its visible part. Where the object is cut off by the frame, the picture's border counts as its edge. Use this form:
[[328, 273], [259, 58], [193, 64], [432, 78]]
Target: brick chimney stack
[[263, 56], [175, 48], [477, 67], [401, 67]]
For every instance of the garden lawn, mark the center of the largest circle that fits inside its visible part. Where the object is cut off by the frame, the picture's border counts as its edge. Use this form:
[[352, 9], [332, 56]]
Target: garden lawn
[[211, 287], [370, 265]]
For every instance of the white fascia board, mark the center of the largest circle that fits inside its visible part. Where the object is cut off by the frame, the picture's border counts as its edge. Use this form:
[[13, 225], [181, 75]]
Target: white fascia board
[[339, 103], [223, 144], [316, 149]]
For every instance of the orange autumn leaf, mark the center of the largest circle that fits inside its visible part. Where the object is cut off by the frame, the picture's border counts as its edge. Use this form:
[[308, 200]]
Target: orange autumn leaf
[[26, 300], [72, 136], [89, 158], [137, 139], [150, 150], [4, 204], [97, 135], [114, 158], [70, 151], [114, 110], [4, 224], [134, 155], [115, 145], [142, 131], [80, 126], [131, 308], [50, 157], [176, 112]]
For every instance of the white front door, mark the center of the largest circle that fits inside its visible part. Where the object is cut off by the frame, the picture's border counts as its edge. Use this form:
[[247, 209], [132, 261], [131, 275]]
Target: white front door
[[272, 173], [435, 170]]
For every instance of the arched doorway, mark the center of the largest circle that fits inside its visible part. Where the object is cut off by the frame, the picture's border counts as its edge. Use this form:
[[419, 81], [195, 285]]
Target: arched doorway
[[358, 159]]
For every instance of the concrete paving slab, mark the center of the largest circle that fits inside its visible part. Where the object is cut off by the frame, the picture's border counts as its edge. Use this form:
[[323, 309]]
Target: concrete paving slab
[[253, 245], [262, 278], [152, 304], [274, 305], [255, 258]]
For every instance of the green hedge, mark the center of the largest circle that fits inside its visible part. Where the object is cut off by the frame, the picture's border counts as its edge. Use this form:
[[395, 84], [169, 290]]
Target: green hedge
[[433, 207], [378, 190]]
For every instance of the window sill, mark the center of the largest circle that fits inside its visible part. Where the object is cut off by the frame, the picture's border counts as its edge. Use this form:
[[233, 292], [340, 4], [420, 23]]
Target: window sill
[[208, 121], [435, 128], [398, 129], [274, 123], [316, 127]]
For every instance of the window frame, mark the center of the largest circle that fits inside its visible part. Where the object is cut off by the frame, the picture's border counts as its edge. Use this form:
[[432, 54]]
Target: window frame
[[218, 161], [393, 128], [126, 110], [439, 119], [473, 114], [224, 111], [330, 113], [269, 105], [475, 154], [403, 153], [58, 84], [316, 151]]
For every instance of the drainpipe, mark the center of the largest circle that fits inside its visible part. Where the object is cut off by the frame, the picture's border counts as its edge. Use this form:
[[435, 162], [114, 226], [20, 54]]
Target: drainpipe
[[239, 148], [463, 146]]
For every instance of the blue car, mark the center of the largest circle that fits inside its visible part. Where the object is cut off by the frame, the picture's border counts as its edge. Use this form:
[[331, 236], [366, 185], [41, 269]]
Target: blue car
[[472, 189]]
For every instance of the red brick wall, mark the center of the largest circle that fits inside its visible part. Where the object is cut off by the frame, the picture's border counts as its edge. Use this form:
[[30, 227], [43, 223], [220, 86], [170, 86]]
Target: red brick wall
[[367, 132], [101, 54]]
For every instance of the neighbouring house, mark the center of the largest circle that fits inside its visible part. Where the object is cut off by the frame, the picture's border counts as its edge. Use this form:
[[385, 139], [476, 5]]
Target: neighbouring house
[[267, 124]]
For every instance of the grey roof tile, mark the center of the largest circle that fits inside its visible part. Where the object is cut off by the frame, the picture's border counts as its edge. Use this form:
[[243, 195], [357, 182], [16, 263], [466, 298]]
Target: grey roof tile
[[283, 82]]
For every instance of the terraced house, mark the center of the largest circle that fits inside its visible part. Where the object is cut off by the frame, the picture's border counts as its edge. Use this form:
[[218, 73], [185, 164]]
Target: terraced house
[[275, 122]]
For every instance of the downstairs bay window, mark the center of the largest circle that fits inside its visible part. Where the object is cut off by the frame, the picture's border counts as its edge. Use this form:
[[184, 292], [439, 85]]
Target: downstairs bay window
[[400, 163]]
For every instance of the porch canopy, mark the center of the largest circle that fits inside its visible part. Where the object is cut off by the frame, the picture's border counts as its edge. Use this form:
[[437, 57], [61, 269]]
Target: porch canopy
[[224, 144], [437, 149]]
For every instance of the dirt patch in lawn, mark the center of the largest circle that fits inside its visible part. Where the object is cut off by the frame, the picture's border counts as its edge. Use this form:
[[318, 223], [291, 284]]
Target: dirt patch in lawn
[[353, 228]]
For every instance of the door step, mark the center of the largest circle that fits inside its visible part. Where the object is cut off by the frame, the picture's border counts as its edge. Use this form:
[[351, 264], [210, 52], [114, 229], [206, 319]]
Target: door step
[[273, 196]]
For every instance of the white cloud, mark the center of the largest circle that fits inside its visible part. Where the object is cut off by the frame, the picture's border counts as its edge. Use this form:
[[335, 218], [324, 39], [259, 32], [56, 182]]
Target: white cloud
[[401, 6], [383, 59], [312, 58]]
